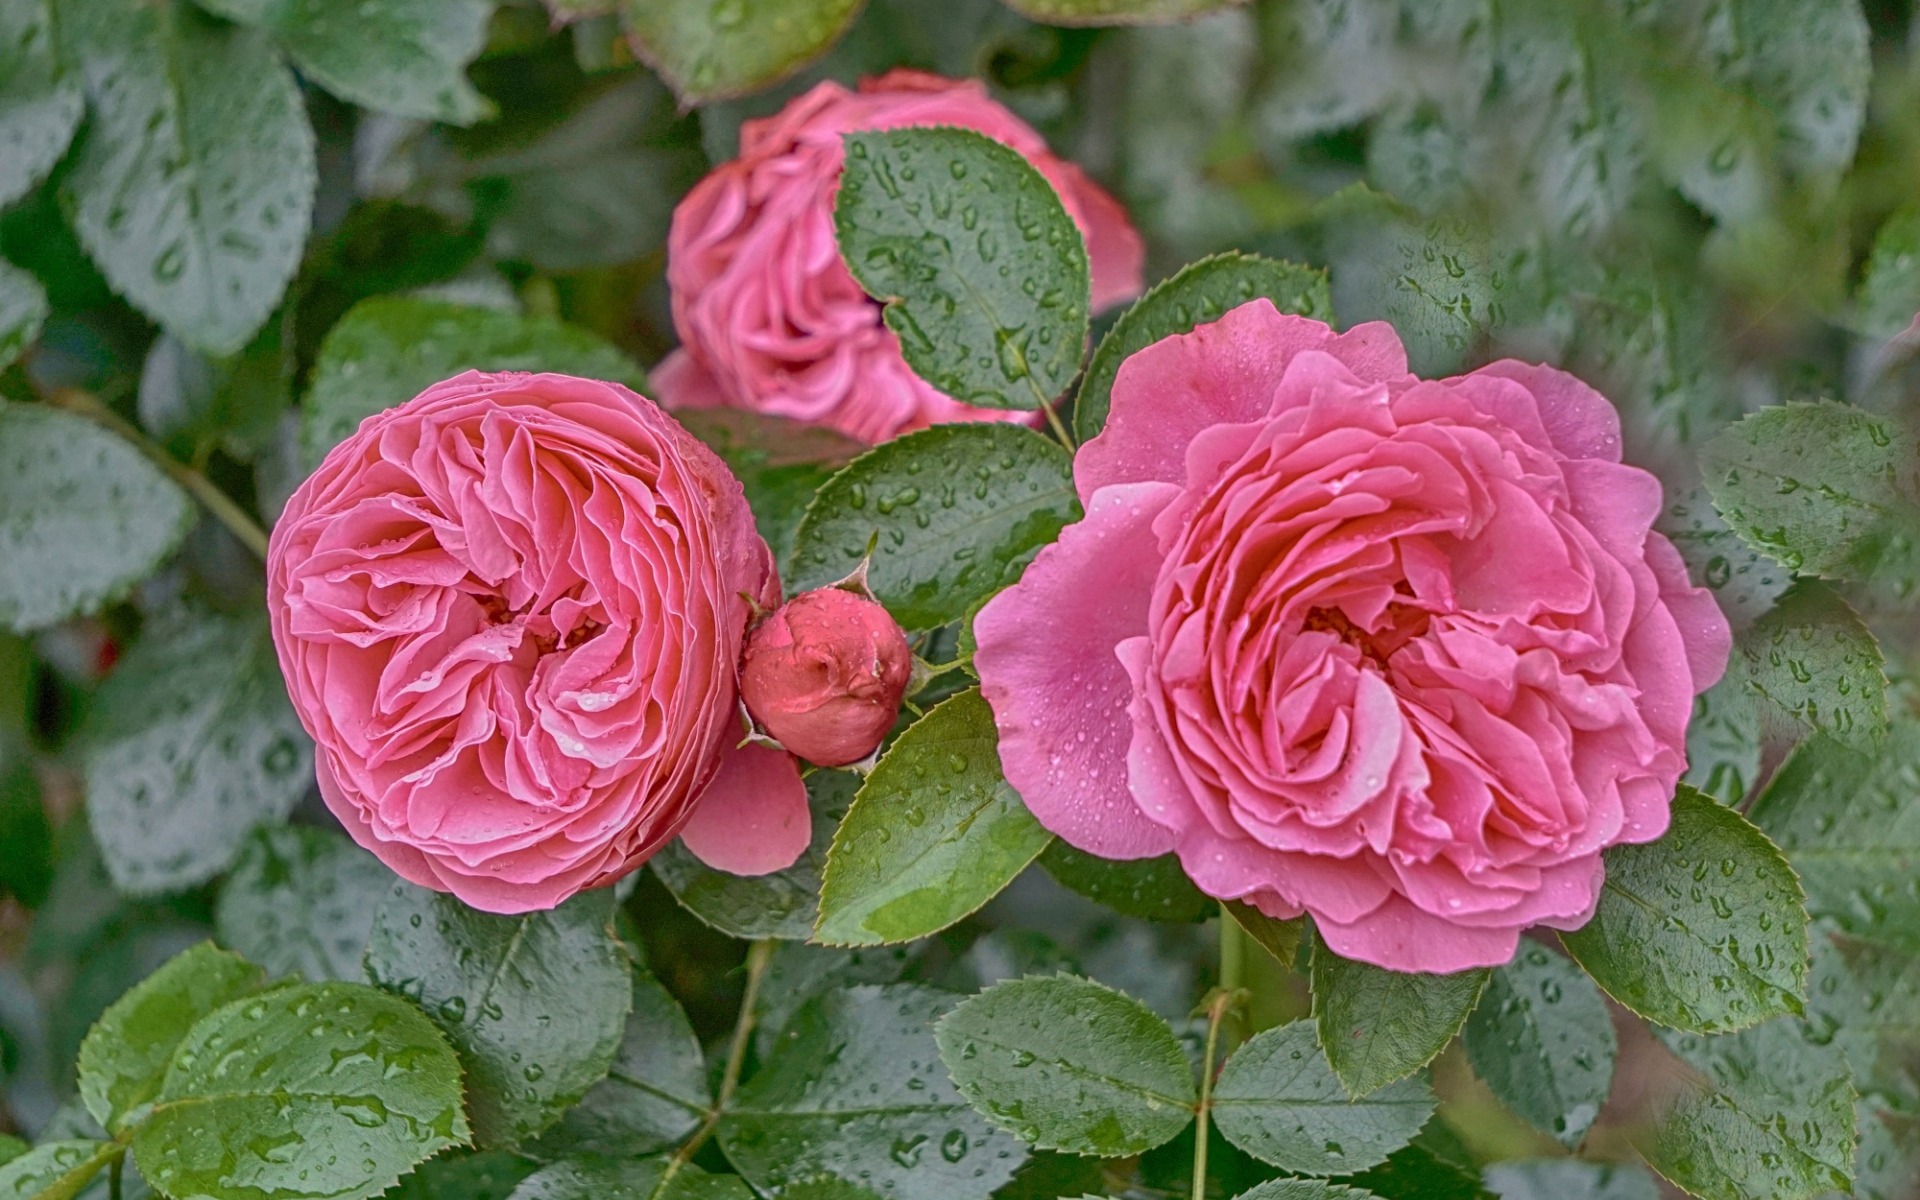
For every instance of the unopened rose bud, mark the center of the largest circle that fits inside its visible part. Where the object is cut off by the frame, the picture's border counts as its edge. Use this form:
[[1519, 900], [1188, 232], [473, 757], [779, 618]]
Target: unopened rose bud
[[824, 675]]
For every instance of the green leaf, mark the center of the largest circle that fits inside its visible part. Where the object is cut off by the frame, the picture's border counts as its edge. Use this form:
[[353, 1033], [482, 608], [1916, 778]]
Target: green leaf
[[953, 514], [1865, 997], [55, 1170], [1745, 582], [784, 904], [983, 274], [1378, 1025], [1153, 889], [613, 1179], [23, 309], [127, 1052], [1434, 280], [301, 902], [388, 349], [193, 189], [1068, 1064], [1849, 825], [1704, 930], [486, 1175], [1766, 1113], [707, 51], [1115, 12], [1570, 1179], [1827, 489], [330, 1089], [1813, 663], [655, 1094], [799, 972], [1889, 294], [1304, 1189], [1200, 292], [191, 743], [26, 835], [1278, 1100], [535, 1004], [935, 833], [192, 404], [40, 101], [1280, 938], [1723, 741], [1417, 1173], [11, 1148], [399, 56], [86, 516], [1543, 1042], [855, 1090], [780, 463]]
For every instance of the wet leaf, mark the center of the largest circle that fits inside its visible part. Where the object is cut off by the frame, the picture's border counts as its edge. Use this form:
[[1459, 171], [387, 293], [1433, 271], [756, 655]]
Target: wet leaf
[[1723, 741], [1889, 294], [1278, 1100], [1705, 929], [1745, 582], [40, 99], [1570, 1179], [23, 310], [1541, 1039], [301, 902], [1304, 1189], [486, 1175], [934, 833], [1068, 1064], [1280, 938], [535, 1004], [1153, 889], [590, 1178], [1378, 1025], [708, 50], [1815, 667], [1115, 12], [983, 274], [55, 1170]]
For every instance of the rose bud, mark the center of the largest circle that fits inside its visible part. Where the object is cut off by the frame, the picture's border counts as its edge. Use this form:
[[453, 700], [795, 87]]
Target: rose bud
[[824, 675]]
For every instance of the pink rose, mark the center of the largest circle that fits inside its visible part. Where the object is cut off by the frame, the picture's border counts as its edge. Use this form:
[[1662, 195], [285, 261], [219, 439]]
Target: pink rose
[[824, 675], [1405, 655], [770, 318], [509, 613]]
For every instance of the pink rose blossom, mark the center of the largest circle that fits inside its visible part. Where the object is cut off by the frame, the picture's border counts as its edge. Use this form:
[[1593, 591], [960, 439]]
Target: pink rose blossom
[[770, 318], [509, 612], [824, 675], [1404, 655]]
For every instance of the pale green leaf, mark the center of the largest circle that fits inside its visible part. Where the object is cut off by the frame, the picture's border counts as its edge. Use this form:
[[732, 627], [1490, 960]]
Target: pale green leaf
[[1570, 1179], [55, 1170], [1815, 667], [23, 309], [1889, 294], [709, 50], [301, 902], [1541, 1039], [40, 100], [1115, 12]]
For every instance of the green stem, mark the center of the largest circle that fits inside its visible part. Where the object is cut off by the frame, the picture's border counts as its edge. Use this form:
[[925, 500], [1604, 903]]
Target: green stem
[[218, 504], [1059, 427], [1216, 1013], [113, 1177], [758, 958], [1233, 960]]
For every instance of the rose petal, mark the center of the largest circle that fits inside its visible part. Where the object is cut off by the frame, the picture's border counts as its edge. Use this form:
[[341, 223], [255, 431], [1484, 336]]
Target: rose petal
[[753, 817]]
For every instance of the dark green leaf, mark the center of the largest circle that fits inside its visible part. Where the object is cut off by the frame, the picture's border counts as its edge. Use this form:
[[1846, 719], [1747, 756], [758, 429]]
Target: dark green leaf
[[934, 833], [191, 744], [193, 404], [1813, 663], [1763, 1113], [1889, 293], [301, 902], [855, 1090], [655, 1094], [329, 1089], [1280, 938], [11, 1148], [40, 102], [1278, 1100], [194, 186], [1304, 1189], [399, 56], [535, 1004], [87, 516], [952, 514], [1115, 12], [708, 51], [1153, 889], [1705, 929], [23, 309], [1378, 1025], [487, 1175], [1068, 1064], [127, 1052], [1417, 1173], [983, 274], [627, 1179], [1570, 1179], [800, 972], [1200, 292], [26, 836], [1723, 741], [780, 462], [388, 349], [55, 1170], [1543, 1042]]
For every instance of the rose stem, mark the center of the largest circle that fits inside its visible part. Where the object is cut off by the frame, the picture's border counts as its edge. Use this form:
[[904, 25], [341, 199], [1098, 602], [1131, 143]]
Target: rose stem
[[1216, 1012], [758, 956]]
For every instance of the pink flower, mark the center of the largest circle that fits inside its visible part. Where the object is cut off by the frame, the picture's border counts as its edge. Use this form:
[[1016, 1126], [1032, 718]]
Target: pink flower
[[509, 613], [770, 318], [824, 675], [1404, 655]]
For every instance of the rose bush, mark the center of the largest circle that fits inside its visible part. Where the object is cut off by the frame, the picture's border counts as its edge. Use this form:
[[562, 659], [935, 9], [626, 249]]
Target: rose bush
[[1403, 654], [509, 612]]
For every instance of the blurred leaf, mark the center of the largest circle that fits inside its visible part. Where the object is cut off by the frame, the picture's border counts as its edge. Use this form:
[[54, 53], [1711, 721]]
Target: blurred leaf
[[87, 516], [1766, 1113], [934, 833], [23, 310], [301, 901], [1304, 1189], [125, 1056], [1812, 663], [1115, 12], [336, 1082], [1889, 294], [1541, 1039], [1745, 582], [1279, 1101], [780, 462], [190, 744], [800, 972], [1569, 1179], [53, 1170], [1723, 741], [193, 188], [192, 403], [1067, 1064], [390, 348], [1199, 293], [1434, 280], [399, 56], [855, 1090], [711, 51], [1416, 1173], [1888, 1158], [1153, 889], [535, 1004], [1378, 1025], [11, 1148], [592, 1178], [1865, 997], [1705, 929], [487, 1175], [655, 1094], [952, 514], [40, 100], [930, 222], [26, 836]]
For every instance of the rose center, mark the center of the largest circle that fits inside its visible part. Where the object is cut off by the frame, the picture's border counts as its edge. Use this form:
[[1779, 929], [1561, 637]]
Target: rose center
[[1402, 623]]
